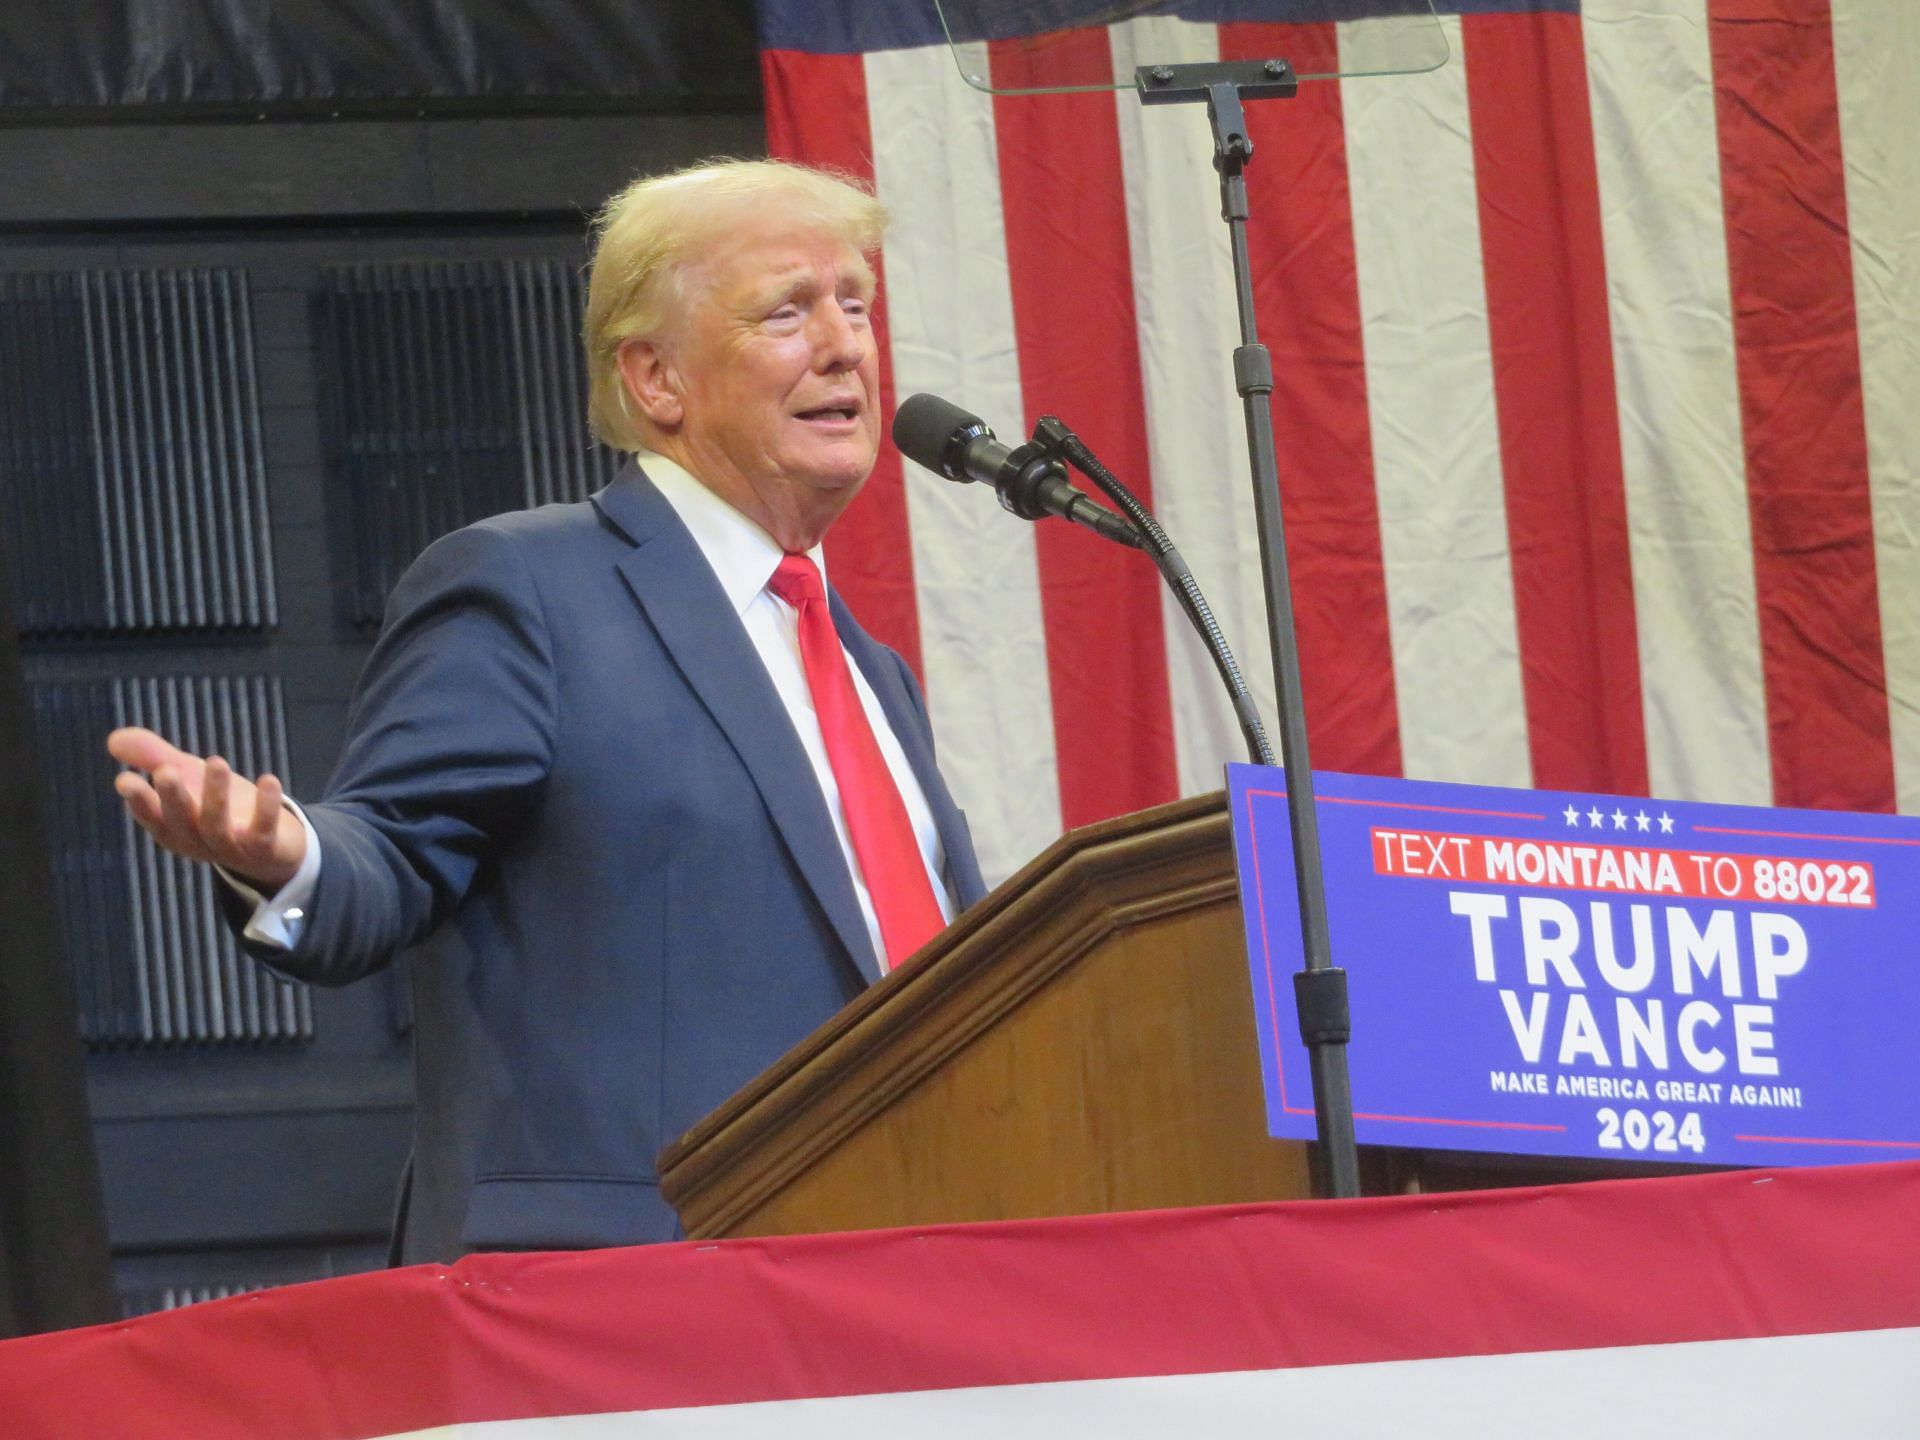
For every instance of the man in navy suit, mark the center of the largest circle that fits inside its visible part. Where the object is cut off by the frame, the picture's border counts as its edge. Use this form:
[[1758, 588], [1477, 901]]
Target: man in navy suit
[[649, 816]]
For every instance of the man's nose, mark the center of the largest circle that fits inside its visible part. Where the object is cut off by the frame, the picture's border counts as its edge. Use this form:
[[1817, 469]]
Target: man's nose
[[841, 341]]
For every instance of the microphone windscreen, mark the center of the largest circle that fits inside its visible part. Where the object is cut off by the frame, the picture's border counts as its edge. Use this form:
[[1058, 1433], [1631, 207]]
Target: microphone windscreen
[[925, 426]]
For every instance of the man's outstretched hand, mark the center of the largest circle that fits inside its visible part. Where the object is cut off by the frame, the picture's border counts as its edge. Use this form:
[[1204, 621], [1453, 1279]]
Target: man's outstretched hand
[[202, 810]]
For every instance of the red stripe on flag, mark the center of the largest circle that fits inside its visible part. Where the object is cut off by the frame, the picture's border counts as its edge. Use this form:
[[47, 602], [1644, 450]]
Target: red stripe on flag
[[1307, 303], [1079, 346], [1798, 360], [817, 113], [1552, 343]]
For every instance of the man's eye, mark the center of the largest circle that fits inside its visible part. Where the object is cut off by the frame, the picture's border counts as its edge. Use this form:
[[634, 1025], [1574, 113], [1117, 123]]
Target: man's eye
[[854, 306]]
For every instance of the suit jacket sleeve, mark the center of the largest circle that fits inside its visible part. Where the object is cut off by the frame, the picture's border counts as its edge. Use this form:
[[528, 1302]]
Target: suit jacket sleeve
[[449, 742]]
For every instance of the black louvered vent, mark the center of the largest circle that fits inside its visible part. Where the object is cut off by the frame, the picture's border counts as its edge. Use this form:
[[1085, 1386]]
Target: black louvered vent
[[130, 452], [455, 391], [153, 963], [150, 1300]]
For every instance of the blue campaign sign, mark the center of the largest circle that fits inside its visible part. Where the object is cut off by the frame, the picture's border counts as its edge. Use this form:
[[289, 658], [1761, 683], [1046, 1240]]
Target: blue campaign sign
[[1559, 974]]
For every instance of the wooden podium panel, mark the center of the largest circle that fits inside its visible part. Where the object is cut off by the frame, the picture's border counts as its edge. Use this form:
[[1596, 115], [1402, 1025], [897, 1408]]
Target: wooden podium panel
[[1082, 1040]]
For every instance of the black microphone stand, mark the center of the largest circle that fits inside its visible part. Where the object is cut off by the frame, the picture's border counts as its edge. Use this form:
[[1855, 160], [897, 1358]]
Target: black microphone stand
[[1320, 990]]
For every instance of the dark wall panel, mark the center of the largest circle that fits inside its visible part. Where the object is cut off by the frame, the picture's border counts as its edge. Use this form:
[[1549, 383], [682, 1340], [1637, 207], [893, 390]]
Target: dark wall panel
[[153, 963], [199, 174], [130, 440], [456, 391], [251, 1133]]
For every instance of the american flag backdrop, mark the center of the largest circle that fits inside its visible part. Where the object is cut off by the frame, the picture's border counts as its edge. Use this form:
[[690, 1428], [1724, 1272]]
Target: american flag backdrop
[[1598, 397]]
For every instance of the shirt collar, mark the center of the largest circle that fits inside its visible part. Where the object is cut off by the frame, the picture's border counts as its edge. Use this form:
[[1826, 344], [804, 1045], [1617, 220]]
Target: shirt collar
[[742, 555]]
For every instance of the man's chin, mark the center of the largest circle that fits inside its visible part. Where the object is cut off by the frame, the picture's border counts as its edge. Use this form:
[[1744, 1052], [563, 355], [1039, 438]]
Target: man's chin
[[839, 469]]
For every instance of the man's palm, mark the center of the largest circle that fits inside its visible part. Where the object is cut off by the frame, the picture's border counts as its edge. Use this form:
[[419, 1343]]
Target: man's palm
[[202, 810]]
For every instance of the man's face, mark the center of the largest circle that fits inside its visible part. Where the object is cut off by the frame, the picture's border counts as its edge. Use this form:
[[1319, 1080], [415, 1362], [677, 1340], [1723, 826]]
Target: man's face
[[770, 376]]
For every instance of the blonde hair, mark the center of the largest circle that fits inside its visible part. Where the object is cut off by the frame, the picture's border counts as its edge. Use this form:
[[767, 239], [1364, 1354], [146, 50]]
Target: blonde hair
[[648, 234]]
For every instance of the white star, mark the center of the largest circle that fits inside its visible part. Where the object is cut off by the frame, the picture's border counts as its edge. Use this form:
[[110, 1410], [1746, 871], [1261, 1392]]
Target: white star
[[1642, 820], [1594, 817], [1573, 816], [1666, 823], [1619, 819]]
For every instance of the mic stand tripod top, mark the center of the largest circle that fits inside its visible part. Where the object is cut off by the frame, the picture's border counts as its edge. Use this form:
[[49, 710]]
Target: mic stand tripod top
[[1320, 990]]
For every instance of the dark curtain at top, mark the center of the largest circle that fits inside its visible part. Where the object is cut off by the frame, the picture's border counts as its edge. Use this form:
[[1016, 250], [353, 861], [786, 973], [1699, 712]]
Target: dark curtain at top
[[358, 54]]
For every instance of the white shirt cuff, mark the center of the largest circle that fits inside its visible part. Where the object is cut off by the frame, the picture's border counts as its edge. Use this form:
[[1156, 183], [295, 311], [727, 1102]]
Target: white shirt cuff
[[278, 919]]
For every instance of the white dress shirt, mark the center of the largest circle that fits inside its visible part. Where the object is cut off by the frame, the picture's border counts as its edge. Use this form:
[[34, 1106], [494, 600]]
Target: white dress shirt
[[743, 557]]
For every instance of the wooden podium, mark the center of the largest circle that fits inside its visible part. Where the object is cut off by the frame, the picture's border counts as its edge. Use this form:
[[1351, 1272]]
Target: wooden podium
[[1082, 1040]]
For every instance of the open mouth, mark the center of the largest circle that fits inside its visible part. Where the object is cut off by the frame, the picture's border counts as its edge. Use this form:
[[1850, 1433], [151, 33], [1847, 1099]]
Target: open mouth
[[830, 415]]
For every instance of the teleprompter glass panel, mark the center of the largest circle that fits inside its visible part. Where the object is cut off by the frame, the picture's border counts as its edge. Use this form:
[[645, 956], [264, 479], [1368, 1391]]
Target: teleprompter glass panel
[[1029, 47]]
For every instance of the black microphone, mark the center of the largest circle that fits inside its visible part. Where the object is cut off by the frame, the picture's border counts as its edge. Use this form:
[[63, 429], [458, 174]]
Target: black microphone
[[1031, 483]]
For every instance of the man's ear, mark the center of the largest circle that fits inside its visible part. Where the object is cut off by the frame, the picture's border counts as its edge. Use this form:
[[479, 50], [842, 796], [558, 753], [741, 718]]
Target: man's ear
[[651, 383]]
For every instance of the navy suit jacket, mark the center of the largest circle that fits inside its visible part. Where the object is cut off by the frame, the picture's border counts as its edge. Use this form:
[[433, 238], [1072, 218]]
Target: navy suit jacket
[[570, 782]]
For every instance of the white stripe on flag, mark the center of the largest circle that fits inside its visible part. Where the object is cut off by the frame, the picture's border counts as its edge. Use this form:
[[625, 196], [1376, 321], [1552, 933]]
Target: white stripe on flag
[[950, 306], [1656, 142], [1436, 441], [1203, 493], [1855, 1383], [1875, 45]]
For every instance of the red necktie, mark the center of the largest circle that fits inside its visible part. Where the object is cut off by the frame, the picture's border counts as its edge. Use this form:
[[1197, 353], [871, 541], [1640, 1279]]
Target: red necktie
[[883, 838]]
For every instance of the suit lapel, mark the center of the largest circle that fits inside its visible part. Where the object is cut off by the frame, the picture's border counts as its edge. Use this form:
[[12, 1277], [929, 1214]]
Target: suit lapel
[[689, 611]]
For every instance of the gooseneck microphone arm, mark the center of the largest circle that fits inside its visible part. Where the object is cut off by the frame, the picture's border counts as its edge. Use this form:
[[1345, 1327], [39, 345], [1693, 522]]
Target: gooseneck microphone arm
[[1052, 436], [1032, 483]]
